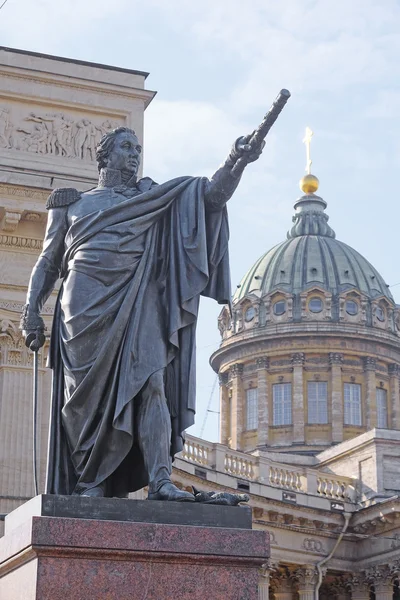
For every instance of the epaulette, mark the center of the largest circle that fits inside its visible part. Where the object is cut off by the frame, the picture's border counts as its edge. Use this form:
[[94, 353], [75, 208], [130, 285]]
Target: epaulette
[[62, 197], [145, 184]]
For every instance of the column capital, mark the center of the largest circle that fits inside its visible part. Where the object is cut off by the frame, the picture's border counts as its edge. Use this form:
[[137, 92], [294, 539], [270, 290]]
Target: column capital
[[335, 358], [262, 362], [394, 369], [281, 580], [369, 363], [358, 585], [298, 359], [381, 577], [223, 378], [306, 576], [236, 370]]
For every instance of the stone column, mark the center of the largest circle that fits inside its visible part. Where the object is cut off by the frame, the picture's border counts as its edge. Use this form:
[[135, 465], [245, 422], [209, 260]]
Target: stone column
[[224, 409], [307, 579], [281, 584], [262, 364], [370, 388], [381, 577], [359, 587], [264, 583], [336, 361], [394, 374], [236, 406], [298, 398]]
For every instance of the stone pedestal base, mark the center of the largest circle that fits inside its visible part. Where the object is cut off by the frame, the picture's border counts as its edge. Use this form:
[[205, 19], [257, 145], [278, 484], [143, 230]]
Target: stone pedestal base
[[54, 557]]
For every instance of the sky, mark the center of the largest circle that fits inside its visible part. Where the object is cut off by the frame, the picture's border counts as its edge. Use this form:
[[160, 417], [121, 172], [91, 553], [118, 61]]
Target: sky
[[217, 65]]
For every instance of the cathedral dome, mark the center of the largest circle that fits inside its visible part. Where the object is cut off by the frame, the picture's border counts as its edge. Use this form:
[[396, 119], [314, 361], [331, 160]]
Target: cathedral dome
[[312, 258]]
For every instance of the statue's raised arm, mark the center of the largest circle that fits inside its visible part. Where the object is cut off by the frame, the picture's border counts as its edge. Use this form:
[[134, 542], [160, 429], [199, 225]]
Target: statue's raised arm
[[245, 150]]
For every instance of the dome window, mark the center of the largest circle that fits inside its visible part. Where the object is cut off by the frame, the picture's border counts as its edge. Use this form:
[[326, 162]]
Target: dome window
[[250, 314], [315, 305], [279, 308], [351, 307], [380, 314]]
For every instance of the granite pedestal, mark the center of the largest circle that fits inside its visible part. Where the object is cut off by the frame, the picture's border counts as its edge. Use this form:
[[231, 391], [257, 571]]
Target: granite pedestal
[[58, 547]]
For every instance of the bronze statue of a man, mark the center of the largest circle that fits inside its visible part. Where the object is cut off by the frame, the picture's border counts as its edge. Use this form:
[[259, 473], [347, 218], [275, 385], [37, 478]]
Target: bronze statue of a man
[[134, 258]]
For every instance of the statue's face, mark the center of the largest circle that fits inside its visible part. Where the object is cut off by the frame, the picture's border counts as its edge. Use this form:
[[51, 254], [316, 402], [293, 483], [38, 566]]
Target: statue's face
[[125, 155]]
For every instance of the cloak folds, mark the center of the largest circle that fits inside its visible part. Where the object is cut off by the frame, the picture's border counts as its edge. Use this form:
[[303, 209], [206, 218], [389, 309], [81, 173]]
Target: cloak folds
[[133, 273]]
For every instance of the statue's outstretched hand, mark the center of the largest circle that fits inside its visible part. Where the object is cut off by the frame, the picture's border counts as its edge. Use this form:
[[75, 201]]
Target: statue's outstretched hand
[[243, 149]]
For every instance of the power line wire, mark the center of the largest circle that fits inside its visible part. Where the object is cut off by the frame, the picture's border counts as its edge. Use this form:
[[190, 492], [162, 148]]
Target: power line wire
[[3, 4]]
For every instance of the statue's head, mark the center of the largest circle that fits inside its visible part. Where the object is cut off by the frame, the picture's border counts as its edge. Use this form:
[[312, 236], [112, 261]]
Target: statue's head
[[119, 149]]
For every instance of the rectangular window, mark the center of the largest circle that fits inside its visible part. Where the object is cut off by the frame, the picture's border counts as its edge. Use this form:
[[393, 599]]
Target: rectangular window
[[381, 408], [252, 408], [352, 404], [282, 403], [317, 402]]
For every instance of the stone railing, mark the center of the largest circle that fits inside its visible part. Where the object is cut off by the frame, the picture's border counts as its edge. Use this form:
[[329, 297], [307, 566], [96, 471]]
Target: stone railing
[[335, 487], [284, 477], [196, 451], [260, 469]]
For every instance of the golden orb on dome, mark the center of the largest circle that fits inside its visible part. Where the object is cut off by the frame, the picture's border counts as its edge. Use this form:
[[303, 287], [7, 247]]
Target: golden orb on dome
[[309, 183]]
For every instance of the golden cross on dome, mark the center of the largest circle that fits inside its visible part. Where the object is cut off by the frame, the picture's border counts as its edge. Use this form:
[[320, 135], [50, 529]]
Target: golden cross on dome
[[307, 142]]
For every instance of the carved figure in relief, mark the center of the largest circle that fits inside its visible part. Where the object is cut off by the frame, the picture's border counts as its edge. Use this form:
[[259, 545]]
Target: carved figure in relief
[[80, 137], [4, 128], [53, 134]]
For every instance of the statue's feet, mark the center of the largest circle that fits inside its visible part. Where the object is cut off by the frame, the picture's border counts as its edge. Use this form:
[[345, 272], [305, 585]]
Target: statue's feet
[[95, 492], [168, 491]]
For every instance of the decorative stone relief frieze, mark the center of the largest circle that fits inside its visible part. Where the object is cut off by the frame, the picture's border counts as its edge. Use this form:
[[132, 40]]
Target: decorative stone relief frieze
[[13, 306], [52, 133], [14, 241]]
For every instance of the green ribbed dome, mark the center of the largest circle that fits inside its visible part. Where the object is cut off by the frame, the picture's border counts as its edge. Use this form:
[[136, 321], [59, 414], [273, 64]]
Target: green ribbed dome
[[311, 256]]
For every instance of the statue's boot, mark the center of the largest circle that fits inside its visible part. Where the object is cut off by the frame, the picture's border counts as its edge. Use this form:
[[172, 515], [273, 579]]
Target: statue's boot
[[95, 492], [154, 437], [169, 491]]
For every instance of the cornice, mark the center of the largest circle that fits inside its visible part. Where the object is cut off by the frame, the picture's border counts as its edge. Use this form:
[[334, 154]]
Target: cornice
[[104, 88], [245, 346]]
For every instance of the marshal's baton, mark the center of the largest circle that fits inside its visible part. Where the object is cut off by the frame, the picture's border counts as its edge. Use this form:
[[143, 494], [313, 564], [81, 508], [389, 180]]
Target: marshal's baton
[[35, 341], [260, 133], [34, 414]]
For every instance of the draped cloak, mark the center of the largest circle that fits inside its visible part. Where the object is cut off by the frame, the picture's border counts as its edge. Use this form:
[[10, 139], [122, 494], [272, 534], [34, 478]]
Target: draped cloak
[[133, 272]]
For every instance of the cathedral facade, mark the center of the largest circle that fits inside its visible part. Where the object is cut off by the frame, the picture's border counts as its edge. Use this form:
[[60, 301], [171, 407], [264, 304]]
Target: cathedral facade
[[309, 361]]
